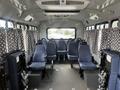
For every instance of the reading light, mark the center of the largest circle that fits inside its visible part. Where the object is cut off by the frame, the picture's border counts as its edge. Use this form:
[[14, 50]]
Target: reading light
[[29, 18]]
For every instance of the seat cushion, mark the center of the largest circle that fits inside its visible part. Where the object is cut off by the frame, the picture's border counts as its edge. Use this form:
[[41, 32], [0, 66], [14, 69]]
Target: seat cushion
[[72, 57], [112, 81], [118, 84], [87, 65], [61, 52], [37, 66]]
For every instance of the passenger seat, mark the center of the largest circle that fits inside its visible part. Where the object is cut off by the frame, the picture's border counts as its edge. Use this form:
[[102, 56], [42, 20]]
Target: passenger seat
[[85, 58]]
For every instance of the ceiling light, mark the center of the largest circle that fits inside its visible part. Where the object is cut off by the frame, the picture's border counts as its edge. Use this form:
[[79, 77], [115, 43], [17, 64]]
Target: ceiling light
[[28, 18], [60, 14]]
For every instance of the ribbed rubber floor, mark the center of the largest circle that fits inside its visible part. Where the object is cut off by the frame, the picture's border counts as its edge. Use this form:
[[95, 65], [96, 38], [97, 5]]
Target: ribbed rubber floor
[[62, 77]]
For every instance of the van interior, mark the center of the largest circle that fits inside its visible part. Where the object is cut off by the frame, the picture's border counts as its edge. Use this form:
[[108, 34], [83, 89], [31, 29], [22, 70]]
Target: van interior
[[59, 45]]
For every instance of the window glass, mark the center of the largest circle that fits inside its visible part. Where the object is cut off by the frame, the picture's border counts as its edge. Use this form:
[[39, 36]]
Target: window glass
[[93, 27], [2, 23], [25, 27], [90, 28], [98, 26], [58, 33], [87, 28], [30, 27], [106, 25], [18, 26], [102, 26], [35, 28], [10, 24], [114, 24], [22, 27]]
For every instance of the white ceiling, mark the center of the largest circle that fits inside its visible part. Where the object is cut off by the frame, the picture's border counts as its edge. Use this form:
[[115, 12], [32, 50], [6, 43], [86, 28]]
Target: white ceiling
[[18, 9]]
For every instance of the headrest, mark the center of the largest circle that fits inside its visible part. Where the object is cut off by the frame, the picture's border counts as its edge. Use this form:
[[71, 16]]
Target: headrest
[[39, 42], [83, 43]]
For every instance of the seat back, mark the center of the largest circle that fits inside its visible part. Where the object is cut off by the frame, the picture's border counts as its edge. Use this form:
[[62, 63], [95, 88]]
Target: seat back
[[61, 45], [115, 63], [51, 48], [44, 42], [72, 48], [39, 42], [84, 53], [39, 54]]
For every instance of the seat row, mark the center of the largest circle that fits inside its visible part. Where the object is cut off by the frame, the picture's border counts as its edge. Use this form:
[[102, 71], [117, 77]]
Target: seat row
[[77, 50]]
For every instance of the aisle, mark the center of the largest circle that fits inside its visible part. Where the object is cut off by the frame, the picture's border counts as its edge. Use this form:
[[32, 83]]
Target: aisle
[[61, 78]]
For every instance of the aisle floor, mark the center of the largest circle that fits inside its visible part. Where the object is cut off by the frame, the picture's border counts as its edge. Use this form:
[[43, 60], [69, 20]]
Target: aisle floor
[[62, 77]]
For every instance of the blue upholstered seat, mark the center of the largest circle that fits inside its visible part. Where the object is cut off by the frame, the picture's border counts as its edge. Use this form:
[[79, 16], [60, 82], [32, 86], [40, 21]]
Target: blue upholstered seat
[[72, 50], [85, 58], [44, 42], [51, 50], [61, 47], [39, 58], [114, 82]]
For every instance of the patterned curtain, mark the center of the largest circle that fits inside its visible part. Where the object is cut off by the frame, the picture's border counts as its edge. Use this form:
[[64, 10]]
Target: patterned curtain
[[36, 36], [91, 38], [20, 39], [12, 40], [115, 39], [3, 49], [31, 42], [105, 41]]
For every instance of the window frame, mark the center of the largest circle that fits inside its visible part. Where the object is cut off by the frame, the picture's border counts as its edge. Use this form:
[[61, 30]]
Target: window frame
[[60, 27]]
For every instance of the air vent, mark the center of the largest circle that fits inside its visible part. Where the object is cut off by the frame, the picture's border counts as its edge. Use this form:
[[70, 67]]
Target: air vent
[[62, 4], [62, 11], [58, 3], [51, 3]]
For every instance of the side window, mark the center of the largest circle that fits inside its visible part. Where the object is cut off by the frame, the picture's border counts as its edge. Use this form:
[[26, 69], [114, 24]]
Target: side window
[[106, 25], [10, 24], [98, 27], [114, 23], [102, 26], [90, 28], [93, 27], [2, 23], [18, 26], [87, 28]]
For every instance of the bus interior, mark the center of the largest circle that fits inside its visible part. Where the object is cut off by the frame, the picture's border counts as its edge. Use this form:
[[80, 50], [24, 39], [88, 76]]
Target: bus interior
[[59, 45]]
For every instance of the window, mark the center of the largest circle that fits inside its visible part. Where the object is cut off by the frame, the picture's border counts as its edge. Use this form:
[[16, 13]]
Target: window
[[18, 26], [93, 27], [22, 27], [58, 33], [2, 23], [98, 26], [35, 28], [10, 24], [102, 26], [30, 27], [106, 25], [114, 24], [90, 28], [87, 28]]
